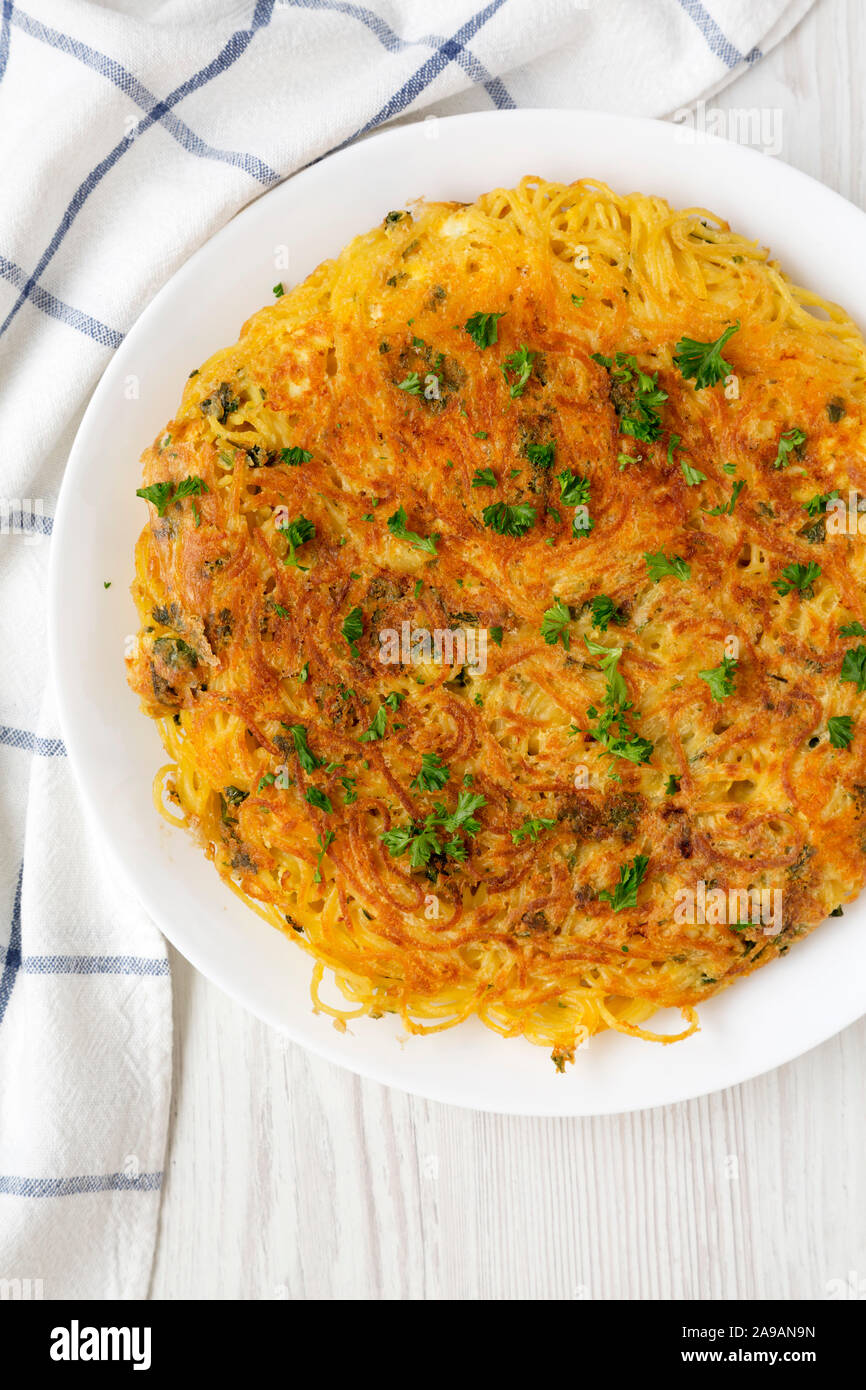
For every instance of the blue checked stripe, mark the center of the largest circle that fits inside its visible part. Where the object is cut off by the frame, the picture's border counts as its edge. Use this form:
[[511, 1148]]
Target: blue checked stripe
[[128, 83], [27, 742], [56, 309], [13, 950], [227, 56], [14, 1186], [429, 70], [395, 44], [93, 965], [717, 41], [16, 523], [5, 35]]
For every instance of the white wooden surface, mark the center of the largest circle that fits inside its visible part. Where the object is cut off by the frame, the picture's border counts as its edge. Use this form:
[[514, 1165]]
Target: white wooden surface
[[289, 1178]]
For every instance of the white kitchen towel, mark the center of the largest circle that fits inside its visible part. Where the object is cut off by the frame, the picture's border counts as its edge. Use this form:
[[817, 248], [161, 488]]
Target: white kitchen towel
[[130, 131]]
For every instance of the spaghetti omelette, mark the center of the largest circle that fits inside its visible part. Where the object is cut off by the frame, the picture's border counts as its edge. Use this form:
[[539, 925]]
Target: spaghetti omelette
[[502, 604]]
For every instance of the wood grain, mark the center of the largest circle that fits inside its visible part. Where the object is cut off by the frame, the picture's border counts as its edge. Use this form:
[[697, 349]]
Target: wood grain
[[289, 1178]]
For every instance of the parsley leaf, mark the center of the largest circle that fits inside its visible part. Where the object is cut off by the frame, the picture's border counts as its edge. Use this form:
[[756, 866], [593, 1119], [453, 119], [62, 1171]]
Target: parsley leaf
[[728, 508], [704, 361], [397, 527], [324, 842], [799, 577], [630, 878], [295, 456], [316, 798], [790, 441], [298, 532], [841, 730], [604, 611], [532, 828], [509, 520], [309, 762], [637, 407], [692, 475], [554, 624], [519, 365], [613, 730], [377, 729], [432, 776], [659, 566], [721, 678], [162, 494], [411, 384], [353, 627], [852, 630], [541, 455], [817, 505], [483, 329], [574, 489], [484, 477], [854, 667]]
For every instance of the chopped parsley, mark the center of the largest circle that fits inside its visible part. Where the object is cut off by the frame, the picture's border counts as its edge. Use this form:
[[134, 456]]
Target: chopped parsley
[[348, 785], [728, 508], [791, 441], [672, 785], [693, 476], [659, 567], [574, 489], [852, 630], [704, 361], [496, 635], [604, 612], [278, 290], [518, 365], [509, 519], [817, 505], [308, 760], [298, 532], [353, 627], [613, 730], [532, 829], [798, 577], [324, 842], [316, 798], [483, 328], [377, 729], [854, 668], [411, 384], [630, 878], [484, 477], [841, 730], [720, 679], [541, 455], [162, 494], [432, 776], [397, 527], [295, 456], [423, 838], [554, 624], [637, 408]]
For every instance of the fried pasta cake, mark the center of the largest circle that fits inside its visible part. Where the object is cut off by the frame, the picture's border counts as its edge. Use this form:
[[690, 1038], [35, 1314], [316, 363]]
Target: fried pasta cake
[[502, 613]]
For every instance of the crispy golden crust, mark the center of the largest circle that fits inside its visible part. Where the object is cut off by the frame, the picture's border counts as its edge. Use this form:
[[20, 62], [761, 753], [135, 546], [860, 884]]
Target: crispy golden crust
[[516, 930]]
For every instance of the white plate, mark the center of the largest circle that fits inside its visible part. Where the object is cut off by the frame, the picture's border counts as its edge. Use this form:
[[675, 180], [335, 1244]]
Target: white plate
[[774, 1015]]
